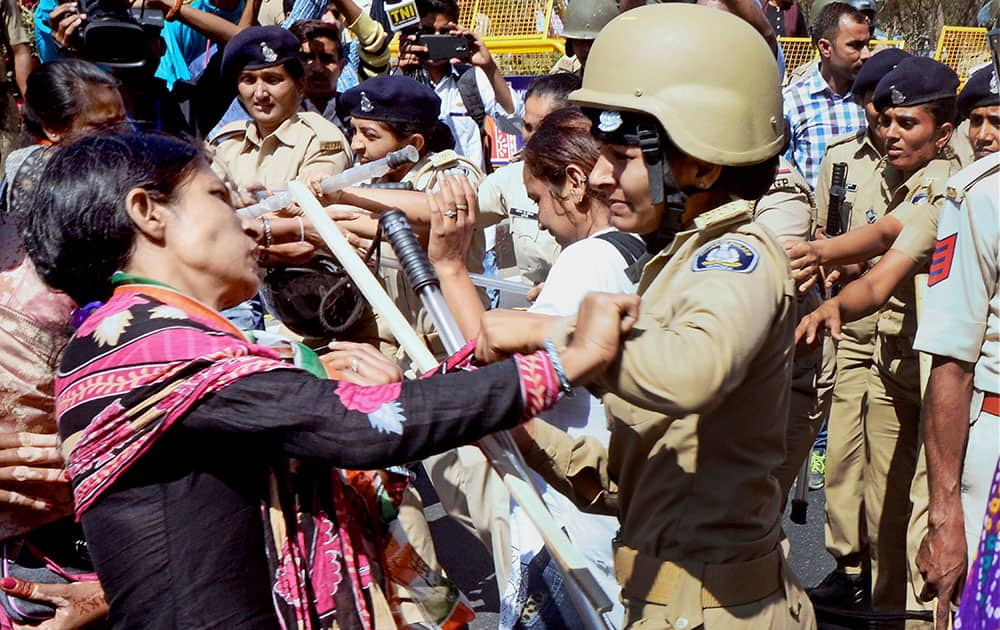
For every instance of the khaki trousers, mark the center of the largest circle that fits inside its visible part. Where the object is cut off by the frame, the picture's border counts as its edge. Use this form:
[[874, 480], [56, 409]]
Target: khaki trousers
[[846, 535], [805, 416], [892, 424], [787, 608]]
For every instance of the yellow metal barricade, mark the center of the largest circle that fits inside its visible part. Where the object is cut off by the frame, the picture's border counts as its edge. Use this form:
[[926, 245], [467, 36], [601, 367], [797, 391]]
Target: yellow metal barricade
[[962, 48], [800, 50], [522, 36]]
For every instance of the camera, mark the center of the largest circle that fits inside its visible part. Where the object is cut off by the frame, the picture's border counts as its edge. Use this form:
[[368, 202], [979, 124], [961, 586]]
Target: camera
[[115, 35]]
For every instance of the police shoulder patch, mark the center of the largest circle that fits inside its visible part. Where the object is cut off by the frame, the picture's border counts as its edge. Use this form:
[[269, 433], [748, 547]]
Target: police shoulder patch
[[726, 255]]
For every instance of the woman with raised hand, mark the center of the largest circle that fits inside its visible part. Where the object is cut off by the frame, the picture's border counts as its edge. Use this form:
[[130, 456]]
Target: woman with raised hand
[[594, 257], [179, 462]]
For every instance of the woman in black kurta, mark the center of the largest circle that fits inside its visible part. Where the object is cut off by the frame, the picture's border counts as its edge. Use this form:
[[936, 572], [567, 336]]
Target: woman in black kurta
[[177, 428]]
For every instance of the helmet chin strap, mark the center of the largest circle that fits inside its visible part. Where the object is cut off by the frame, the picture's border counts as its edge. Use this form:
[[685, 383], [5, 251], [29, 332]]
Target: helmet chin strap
[[663, 189]]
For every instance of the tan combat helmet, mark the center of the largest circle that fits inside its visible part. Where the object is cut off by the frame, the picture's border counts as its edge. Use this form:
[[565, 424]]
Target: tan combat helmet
[[706, 76], [584, 19]]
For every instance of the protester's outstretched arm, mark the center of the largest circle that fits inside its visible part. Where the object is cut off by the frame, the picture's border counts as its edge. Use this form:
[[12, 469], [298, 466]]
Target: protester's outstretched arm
[[453, 223]]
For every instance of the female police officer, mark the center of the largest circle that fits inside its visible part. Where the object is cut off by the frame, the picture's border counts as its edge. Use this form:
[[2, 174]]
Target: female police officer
[[698, 395]]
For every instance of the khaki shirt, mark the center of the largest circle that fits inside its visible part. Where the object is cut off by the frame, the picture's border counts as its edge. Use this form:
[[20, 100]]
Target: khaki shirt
[[697, 400], [961, 145], [306, 142], [789, 211], [502, 196], [917, 205], [862, 158]]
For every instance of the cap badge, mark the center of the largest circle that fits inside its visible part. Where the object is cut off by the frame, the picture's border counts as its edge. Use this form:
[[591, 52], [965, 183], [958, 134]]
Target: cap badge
[[609, 121], [366, 104], [993, 83], [269, 55], [898, 98]]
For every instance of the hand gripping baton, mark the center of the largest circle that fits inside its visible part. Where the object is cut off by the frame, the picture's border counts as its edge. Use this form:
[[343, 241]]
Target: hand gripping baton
[[567, 556], [351, 177], [588, 597]]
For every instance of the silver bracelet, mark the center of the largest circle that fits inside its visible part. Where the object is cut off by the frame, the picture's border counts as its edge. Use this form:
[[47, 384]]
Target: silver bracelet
[[267, 231], [564, 384]]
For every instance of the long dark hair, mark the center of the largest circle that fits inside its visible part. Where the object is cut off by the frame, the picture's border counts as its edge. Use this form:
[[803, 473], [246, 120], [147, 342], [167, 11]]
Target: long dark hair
[[76, 228], [563, 138], [57, 92]]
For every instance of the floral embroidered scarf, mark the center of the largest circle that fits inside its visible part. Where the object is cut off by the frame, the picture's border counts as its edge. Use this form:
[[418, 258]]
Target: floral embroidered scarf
[[141, 361]]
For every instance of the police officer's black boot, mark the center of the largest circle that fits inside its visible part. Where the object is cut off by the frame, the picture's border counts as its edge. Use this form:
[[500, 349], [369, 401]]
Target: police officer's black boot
[[840, 590]]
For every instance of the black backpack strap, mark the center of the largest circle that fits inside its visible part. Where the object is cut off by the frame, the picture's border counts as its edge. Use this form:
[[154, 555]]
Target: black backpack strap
[[627, 245], [468, 89]]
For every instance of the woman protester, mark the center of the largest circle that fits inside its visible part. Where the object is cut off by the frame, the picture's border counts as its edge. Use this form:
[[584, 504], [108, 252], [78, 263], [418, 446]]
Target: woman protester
[[63, 100], [179, 463], [594, 257], [697, 396]]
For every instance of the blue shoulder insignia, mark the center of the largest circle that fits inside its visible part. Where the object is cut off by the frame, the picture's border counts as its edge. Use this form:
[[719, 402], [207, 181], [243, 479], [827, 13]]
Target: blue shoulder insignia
[[726, 255], [917, 198]]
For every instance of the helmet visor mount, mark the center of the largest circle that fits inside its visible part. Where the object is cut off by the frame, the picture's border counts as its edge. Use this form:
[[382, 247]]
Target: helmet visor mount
[[627, 128]]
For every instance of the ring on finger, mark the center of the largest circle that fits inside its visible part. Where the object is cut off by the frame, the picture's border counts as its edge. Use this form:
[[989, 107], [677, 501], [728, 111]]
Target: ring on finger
[[461, 206], [354, 365], [451, 214]]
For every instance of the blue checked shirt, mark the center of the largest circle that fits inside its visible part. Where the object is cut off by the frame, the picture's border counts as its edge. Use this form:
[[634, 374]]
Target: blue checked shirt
[[815, 117]]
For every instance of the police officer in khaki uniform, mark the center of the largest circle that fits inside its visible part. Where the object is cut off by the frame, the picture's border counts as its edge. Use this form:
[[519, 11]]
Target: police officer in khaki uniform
[[916, 100], [698, 397], [502, 195], [846, 539], [279, 143], [789, 211]]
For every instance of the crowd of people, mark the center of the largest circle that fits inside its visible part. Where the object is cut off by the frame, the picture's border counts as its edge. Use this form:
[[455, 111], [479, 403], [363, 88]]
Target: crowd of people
[[210, 420]]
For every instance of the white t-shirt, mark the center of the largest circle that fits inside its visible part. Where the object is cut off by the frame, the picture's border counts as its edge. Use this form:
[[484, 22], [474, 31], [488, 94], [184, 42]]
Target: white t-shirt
[[592, 264]]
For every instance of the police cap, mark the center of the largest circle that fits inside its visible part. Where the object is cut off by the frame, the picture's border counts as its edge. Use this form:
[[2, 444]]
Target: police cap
[[875, 68], [981, 89], [914, 81], [392, 98], [259, 47]]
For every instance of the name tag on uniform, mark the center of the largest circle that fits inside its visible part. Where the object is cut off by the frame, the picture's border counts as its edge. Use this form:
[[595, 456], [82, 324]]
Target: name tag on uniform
[[852, 188], [523, 214], [871, 216], [333, 146]]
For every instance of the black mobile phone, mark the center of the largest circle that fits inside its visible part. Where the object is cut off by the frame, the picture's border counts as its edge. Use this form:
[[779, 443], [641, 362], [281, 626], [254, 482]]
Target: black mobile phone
[[446, 47]]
